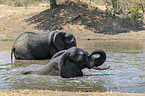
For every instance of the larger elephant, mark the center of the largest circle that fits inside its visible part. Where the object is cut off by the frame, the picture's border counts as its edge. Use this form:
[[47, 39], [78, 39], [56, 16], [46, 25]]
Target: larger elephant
[[68, 63], [32, 46]]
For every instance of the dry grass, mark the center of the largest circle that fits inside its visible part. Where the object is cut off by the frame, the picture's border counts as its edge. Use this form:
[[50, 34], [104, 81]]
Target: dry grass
[[62, 93], [13, 24]]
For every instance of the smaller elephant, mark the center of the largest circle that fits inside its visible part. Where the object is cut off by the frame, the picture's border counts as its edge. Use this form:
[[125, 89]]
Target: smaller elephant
[[68, 63], [32, 46]]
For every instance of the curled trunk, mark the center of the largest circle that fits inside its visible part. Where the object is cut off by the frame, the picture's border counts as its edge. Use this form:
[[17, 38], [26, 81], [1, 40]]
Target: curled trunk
[[97, 61]]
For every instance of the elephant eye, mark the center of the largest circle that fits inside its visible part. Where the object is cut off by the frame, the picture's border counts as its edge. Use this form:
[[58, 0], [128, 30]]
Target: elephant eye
[[68, 38], [85, 56]]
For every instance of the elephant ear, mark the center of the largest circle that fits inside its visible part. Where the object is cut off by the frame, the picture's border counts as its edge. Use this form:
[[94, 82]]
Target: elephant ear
[[68, 68], [58, 40]]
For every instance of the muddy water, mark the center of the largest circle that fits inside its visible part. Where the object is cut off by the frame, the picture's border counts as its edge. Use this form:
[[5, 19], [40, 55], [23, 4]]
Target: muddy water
[[127, 72]]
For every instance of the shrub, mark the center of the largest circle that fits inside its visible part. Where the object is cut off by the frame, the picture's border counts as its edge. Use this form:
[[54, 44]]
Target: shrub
[[135, 12], [130, 10]]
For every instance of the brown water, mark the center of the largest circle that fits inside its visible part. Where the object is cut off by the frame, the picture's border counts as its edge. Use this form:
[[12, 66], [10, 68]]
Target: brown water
[[127, 72]]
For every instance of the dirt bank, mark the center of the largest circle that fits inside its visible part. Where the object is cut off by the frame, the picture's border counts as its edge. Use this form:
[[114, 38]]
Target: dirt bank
[[90, 25]]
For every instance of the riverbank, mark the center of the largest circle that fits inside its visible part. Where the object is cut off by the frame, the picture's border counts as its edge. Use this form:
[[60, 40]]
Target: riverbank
[[62, 93]]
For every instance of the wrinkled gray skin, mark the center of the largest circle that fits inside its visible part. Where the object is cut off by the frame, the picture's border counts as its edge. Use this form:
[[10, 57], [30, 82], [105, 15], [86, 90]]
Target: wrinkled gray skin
[[32, 46], [68, 63]]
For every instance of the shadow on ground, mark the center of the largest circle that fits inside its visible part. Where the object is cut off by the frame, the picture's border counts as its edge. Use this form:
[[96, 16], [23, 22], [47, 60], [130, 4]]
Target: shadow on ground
[[92, 18]]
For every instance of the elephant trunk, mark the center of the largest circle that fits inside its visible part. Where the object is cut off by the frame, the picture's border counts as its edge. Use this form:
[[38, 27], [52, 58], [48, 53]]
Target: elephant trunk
[[97, 61]]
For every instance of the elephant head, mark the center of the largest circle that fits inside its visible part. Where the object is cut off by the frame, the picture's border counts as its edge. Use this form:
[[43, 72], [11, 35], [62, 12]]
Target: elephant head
[[76, 59], [62, 40]]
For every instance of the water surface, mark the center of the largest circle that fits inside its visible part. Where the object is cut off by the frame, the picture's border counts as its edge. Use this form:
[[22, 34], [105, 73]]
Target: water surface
[[127, 72]]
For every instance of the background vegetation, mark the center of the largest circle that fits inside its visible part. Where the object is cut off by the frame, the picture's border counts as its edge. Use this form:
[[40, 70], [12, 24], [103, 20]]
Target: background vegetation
[[130, 9]]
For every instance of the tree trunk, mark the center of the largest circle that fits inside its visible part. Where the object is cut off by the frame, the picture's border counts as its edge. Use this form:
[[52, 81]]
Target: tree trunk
[[53, 4], [114, 3]]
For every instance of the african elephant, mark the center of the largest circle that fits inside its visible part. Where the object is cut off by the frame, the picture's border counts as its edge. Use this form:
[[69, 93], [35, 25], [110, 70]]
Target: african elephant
[[32, 46], [68, 63]]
